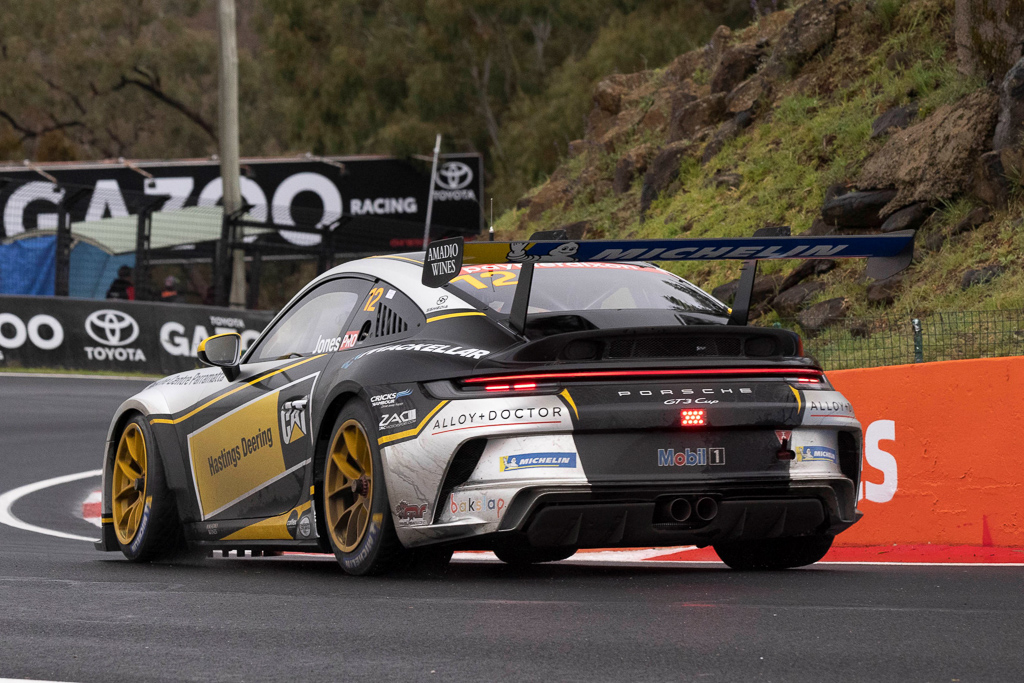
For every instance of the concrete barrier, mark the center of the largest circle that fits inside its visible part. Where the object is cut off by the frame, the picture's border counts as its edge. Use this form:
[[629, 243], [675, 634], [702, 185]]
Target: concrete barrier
[[943, 452]]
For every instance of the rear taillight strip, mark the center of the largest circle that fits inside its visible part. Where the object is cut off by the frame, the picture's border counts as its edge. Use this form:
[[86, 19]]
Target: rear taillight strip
[[626, 374]]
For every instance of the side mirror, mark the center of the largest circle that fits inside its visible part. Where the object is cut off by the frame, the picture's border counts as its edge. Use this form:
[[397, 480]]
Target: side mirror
[[222, 351]]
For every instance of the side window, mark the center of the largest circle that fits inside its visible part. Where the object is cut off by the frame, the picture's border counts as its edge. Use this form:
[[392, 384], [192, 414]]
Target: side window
[[385, 315], [315, 324]]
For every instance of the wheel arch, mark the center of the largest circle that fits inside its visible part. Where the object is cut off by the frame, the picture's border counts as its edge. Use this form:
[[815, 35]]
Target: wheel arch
[[108, 540], [323, 437]]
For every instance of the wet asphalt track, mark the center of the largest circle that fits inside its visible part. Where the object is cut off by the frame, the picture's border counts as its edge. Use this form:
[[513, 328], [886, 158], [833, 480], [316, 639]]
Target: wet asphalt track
[[72, 614]]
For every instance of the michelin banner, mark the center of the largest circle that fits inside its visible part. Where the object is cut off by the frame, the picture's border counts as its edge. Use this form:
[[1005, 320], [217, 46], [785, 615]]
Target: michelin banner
[[109, 335]]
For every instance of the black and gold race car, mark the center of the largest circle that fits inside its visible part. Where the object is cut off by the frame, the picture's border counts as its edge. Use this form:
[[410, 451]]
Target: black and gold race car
[[529, 398]]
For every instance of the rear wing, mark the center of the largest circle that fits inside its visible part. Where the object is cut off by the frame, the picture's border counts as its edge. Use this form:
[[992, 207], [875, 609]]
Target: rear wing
[[886, 254]]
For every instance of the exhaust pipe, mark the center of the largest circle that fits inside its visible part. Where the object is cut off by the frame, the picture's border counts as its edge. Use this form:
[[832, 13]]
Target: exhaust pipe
[[707, 508], [679, 510]]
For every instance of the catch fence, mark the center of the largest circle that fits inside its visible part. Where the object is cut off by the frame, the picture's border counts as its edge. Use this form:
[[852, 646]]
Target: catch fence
[[890, 339], [74, 240]]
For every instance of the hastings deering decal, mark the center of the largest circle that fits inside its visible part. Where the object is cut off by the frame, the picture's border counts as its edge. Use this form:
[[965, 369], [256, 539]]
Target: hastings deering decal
[[236, 454]]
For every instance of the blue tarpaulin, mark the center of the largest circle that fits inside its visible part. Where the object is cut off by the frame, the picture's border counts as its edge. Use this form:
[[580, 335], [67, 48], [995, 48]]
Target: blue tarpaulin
[[28, 266], [93, 269]]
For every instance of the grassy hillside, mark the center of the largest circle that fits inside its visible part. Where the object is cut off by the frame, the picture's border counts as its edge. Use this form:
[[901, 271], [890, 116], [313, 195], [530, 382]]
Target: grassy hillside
[[812, 132]]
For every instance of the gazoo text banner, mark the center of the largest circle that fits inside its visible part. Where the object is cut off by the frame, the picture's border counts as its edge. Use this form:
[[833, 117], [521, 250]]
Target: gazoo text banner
[[384, 199], [858, 246], [942, 453], [111, 335]]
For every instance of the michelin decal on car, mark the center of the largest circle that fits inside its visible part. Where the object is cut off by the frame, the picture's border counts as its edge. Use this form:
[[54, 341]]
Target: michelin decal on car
[[511, 463]]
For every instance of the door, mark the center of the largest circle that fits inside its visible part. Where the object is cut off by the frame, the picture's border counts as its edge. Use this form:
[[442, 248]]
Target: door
[[250, 455]]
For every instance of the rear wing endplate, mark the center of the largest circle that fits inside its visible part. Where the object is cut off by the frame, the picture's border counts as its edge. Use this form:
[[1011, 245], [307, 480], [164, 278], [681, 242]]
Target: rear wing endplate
[[886, 254]]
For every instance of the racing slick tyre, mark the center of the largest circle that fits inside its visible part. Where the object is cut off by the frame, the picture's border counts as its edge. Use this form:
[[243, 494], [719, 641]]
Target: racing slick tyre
[[145, 516], [774, 553], [520, 556], [354, 498]]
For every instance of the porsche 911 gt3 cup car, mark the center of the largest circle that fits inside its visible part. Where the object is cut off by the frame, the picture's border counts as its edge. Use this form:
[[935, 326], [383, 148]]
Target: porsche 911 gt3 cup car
[[542, 399]]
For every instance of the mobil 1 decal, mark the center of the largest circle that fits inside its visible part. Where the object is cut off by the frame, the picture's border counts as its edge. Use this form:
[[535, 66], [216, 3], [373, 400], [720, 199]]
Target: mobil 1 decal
[[260, 446], [657, 455]]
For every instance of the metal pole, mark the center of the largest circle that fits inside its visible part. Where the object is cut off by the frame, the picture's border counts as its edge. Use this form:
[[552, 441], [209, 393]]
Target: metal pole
[[430, 196], [228, 138], [918, 341], [62, 277]]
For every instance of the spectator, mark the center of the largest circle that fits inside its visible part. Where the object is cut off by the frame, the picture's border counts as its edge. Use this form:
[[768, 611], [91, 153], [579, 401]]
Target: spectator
[[122, 287], [170, 294]]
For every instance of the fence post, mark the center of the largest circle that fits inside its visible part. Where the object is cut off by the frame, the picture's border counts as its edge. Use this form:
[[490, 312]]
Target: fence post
[[252, 299], [62, 275], [143, 234], [918, 341], [222, 263]]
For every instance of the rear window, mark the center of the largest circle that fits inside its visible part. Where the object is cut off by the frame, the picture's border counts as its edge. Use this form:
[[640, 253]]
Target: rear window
[[587, 286]]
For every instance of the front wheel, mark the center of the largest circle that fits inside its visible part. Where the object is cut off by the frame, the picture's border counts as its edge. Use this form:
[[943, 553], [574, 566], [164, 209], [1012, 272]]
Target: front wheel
[[355, 497], [145, 516], [774, 553]]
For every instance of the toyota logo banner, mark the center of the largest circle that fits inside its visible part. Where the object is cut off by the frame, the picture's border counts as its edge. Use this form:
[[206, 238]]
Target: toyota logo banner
[[383, 199], [129, 336]]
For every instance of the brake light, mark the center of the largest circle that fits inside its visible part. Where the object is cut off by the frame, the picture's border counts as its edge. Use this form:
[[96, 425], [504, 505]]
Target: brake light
[[523, 386], [693, 417], [808, 380], [633, 374]]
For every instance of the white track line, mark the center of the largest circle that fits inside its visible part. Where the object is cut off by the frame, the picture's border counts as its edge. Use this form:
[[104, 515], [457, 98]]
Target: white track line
[[7, 501], [57, 375]]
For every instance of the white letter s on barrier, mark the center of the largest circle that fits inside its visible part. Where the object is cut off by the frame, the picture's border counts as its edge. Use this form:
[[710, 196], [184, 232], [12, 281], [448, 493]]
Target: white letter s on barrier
[[880, 430]]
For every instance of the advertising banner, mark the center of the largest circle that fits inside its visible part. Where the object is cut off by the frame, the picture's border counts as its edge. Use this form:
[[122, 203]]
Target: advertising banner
[[942, 453], [112, 335], [383, 200]]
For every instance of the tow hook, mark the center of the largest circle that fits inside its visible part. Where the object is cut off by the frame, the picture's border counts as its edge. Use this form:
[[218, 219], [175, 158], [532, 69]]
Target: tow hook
[[785, 451]]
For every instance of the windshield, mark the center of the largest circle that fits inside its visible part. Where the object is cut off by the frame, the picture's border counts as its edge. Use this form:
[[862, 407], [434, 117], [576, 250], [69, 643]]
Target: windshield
[[587, 286]]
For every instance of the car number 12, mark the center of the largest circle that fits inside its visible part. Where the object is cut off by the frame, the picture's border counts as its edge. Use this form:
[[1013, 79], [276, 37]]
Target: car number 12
[[371, 302]]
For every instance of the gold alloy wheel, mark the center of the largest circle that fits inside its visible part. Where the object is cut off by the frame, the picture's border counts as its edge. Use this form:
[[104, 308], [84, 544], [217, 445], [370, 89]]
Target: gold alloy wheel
[[128, 485], [349, 486]]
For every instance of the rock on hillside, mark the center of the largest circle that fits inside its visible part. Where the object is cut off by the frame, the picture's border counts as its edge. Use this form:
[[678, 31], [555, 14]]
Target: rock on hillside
[[927, 138]]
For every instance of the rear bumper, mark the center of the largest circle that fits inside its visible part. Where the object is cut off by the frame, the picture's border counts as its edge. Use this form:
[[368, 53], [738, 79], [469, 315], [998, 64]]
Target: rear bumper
[[621, 516]]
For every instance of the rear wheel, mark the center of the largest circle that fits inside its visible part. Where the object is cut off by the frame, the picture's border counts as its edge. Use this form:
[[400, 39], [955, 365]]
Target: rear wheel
[[355, 498], [145, 516], [519, 556], [774, 553]]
